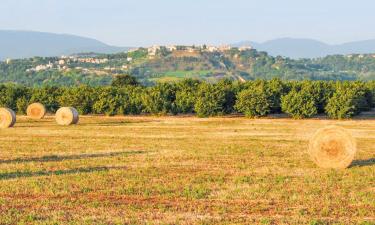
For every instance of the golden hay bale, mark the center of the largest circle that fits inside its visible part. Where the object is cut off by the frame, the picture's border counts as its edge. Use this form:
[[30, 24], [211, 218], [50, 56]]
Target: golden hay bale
[[7, 118], [67, 116], [36, 111], [332, 147]]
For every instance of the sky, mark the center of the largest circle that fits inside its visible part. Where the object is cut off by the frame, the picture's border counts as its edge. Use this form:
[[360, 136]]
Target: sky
[[148, 22]]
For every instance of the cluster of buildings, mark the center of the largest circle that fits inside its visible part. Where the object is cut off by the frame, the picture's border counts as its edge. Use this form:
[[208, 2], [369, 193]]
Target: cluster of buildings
[[41, 67], [93, 60], [152, 51], [360, 55], [63, 63]]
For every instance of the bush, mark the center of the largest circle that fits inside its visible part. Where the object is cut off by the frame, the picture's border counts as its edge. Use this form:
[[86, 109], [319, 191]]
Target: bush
[[124, 80], [274, 89], [299, 104], [48, 96], [133, 103], [348, 101], [210, 100], [227, 87], [253, 103], [82, 98], [160, 99], [21, 105], [186, 95], [321, 91], [109, 101], [9, 95]]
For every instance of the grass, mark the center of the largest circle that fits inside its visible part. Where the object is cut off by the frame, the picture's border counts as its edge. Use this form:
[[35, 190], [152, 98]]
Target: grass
[[180, 170], [172, 76]]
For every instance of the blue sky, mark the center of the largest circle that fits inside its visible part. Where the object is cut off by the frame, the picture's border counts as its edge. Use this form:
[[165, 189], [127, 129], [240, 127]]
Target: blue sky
[[147, 22]]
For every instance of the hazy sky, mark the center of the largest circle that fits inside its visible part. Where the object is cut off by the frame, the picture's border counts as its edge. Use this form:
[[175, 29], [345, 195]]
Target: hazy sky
[[147, 22]]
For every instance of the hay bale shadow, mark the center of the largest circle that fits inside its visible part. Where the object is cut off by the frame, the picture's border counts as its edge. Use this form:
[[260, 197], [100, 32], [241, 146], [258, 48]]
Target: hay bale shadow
[[58, 158], [362, 163], [18, 174]]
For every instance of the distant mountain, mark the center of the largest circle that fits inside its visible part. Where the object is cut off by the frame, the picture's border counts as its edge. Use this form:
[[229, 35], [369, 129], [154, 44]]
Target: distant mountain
[[309, 48], [24, 44]]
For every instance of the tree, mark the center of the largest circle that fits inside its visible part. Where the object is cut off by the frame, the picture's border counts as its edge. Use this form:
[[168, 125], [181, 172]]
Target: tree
[[349, 100], [186, 95], [48, 96], [82, 98], [210, 100], [14, 97], [160, 99], [253, 103], [299, 104], [124, 80], [109, 101]]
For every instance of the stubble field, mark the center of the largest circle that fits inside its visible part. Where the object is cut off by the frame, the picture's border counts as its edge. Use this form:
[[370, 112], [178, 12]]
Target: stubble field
[[180, 170]]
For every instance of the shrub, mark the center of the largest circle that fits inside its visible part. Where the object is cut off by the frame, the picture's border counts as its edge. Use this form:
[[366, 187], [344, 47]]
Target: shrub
[[48, 96], [132, 101], [9, 95], [227, 87], [210, 100], [82, 98], [186, 95], [109, 101], [299, 104], [274, 89], [253, 103], [21, 105], [348, 101], [124, 80], [160, 99]]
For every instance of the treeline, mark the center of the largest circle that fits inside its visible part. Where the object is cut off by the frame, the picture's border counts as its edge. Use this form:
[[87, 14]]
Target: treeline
[[299, 99]]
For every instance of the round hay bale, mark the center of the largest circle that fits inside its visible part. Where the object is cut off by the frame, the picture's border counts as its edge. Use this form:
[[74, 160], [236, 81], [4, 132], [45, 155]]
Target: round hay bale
[[7, 118], [332, 147], [67, 116], [36, 111]]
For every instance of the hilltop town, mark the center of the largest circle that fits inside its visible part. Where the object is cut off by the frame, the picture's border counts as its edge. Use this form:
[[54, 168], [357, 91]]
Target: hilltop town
[[176, 62]]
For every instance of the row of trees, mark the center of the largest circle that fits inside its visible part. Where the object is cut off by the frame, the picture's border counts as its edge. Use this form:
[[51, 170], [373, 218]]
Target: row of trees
[[299, 99]]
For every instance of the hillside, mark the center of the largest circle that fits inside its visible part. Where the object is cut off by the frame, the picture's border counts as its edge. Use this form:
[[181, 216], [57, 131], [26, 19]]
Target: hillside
[[25, 44], [308, 48], [163, 64]]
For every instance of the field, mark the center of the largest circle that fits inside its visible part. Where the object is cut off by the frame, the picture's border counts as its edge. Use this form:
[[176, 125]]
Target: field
[[180, 170], [180, 75]]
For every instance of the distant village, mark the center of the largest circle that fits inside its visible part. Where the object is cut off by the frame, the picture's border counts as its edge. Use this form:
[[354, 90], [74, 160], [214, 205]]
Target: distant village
[[100, 64], [64, 63]]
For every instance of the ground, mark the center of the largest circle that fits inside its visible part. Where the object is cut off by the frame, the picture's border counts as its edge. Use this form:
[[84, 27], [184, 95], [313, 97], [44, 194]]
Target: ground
[[180, 170]]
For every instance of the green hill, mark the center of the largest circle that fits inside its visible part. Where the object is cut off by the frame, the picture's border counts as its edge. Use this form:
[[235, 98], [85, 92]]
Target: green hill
[[163, 65]]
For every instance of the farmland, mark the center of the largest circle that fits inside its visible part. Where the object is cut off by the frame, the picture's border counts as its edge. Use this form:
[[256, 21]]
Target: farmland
[[178, 170]]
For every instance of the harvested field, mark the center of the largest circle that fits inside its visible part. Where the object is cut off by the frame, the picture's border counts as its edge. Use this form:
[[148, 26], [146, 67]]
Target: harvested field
[[181, 170]]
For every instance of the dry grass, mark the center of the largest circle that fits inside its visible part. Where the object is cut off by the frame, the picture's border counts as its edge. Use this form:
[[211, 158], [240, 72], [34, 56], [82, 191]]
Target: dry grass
[[180, 170]]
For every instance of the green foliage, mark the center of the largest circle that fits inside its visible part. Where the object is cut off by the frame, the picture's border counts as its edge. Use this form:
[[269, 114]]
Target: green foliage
[[124, 80], [48, 96], [82, 98], [253, 98], [209, 66], [21, 105], [13, 96], [210, 100], [299, 104], [275, 88], [186, 95], [253, 103], [349, 100], [109, 102], [160, 99]]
